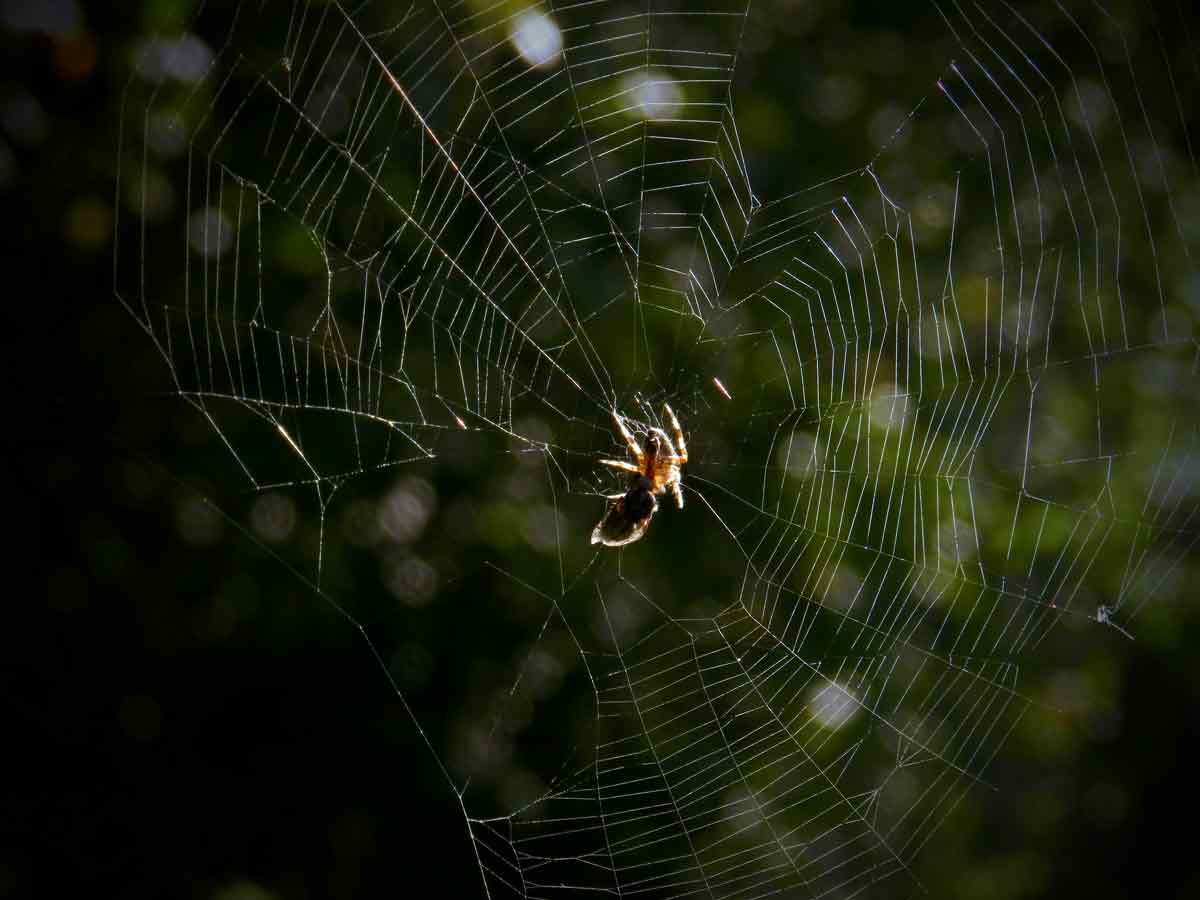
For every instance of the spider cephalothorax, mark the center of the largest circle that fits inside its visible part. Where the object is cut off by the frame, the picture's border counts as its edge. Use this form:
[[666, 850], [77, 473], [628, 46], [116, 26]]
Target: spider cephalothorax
[[657, 468]]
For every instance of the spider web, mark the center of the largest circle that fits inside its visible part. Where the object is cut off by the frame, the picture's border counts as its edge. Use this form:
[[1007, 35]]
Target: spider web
[[935, 403]]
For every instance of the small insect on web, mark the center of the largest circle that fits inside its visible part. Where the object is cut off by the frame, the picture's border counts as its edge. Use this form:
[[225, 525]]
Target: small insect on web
[[657, 467]]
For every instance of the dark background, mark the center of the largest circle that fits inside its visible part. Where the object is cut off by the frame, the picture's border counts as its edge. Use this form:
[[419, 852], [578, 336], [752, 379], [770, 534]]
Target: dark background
[[163, 740]]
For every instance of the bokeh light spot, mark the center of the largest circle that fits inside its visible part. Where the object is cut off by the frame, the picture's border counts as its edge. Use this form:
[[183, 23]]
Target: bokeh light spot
[[210, 232], [273, 516], [185, 58], [24, 119], [410, 579], [537, 39], [650, 94], [831, 705], [53, 17], [197, 522], [88, 224], [405, 510]]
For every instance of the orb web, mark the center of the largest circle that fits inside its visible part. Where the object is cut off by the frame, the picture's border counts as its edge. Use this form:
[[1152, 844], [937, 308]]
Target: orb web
[[934, 396]]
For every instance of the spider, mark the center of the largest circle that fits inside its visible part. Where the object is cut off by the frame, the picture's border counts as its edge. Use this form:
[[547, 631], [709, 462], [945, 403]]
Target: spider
[[658, 467]]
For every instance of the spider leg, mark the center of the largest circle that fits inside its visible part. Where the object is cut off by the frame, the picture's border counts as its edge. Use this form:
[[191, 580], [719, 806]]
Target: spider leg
[[666, 443], [630, 441], [679, 445], [621, 464], [677, 490]]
